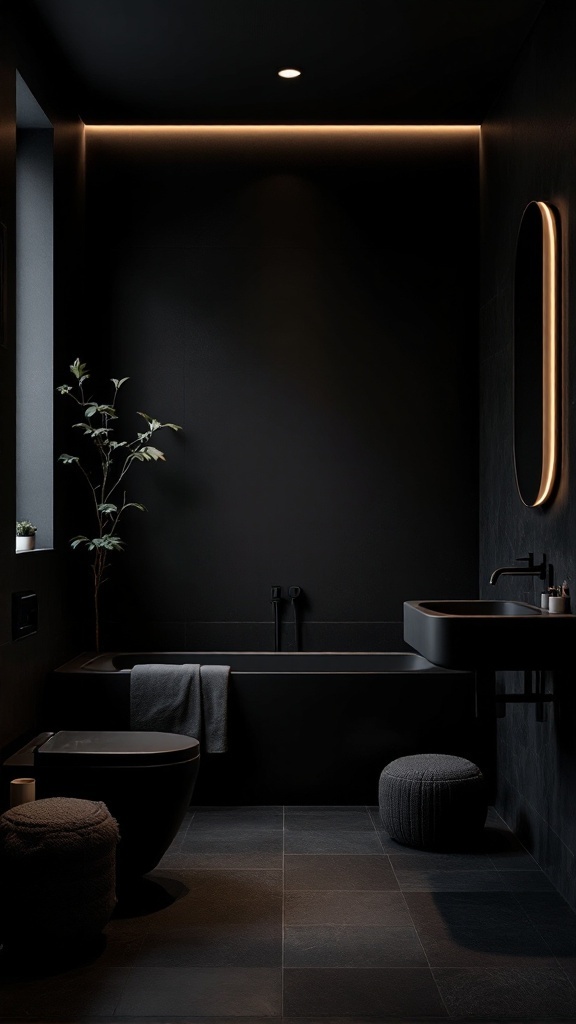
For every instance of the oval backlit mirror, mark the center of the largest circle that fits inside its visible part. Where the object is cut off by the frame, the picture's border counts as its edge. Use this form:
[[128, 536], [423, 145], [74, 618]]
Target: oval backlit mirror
[[536, 357]]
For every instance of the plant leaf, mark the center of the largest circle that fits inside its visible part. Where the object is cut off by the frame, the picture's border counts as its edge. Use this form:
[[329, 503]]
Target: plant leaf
[[156, 425], [118, 383], [135, 504], [107, 507], [68, 458], [108, 541], [148, 453], [76, 541], [79, 370], [64, 389]]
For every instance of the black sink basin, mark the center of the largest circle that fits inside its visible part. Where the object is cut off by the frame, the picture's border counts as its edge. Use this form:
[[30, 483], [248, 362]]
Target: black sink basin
[[479, 608], [489, 634]]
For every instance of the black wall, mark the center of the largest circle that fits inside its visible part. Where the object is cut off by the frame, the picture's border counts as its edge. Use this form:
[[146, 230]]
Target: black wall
[[529, 153], [305, 306]]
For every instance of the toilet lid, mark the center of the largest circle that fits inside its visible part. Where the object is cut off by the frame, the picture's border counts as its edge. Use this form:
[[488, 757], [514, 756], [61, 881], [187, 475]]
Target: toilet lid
[[117, 748]]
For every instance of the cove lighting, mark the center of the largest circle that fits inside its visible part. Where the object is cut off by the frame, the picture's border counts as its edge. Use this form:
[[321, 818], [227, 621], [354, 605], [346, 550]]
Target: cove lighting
[[289, 73], [549, 353], [289, 129]]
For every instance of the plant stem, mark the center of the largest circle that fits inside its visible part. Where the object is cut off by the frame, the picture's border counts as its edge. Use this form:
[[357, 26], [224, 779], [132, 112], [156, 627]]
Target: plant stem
[[98, 568], [96, 620]]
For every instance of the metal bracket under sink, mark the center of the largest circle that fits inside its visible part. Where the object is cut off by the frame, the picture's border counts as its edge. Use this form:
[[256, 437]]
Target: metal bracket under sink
[[490, 702]]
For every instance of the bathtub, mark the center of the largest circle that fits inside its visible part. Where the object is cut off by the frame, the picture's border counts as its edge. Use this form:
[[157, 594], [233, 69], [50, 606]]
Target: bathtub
[[303, 728]]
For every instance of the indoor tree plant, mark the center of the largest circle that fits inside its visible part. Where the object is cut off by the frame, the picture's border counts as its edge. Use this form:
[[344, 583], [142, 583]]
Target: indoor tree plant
[[104, 468]]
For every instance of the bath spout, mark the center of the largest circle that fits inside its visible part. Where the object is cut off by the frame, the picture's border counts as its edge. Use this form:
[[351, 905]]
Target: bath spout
[[525, 570]]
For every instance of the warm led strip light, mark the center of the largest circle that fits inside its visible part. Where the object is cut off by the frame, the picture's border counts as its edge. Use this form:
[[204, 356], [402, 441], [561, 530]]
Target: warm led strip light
[[298, 129], [549, 353]]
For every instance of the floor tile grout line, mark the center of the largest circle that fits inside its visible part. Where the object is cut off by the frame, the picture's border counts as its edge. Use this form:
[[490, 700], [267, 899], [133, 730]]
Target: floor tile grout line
[[570, 980], [371, 820], [372, 817], [520, 841], [192, 817], [441, 997], [355, 892], [433, 976], [128, 974], [528, 868]]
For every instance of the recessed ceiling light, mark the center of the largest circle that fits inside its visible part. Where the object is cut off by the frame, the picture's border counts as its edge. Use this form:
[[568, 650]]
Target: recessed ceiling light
[[289, 73]]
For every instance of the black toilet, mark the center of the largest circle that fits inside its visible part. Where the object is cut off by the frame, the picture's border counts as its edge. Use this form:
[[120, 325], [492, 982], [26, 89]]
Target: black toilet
[[146, 780]]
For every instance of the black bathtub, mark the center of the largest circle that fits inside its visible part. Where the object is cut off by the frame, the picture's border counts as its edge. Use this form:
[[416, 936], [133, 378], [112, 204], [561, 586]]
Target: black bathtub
[[303, 728]]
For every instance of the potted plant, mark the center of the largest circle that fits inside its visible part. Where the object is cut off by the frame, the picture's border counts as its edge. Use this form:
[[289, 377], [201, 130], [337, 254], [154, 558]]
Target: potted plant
[[103, 468], [25, 535]]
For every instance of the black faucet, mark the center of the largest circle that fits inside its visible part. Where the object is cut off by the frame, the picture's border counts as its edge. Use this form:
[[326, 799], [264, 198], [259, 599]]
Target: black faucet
[[525, 570], [276, 597]]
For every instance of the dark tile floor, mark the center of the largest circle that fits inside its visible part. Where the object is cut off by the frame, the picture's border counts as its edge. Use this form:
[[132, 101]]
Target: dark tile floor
[[313, 915]]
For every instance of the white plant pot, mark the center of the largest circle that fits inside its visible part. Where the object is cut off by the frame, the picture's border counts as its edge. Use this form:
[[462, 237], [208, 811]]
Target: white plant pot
[[25, 543]]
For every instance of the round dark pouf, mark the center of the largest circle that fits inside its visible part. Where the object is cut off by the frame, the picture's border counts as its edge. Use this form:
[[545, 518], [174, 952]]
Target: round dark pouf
[[57, 871], [432, 801]]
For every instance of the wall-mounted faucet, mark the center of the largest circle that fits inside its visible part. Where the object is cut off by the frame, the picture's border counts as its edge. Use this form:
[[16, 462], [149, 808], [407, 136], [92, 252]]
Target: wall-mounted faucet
[[275, 598], [541, 570], [294, 593]]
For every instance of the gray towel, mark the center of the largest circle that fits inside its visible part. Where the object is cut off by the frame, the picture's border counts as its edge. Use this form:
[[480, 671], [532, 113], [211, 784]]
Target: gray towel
[[214, 692], [191, 700]]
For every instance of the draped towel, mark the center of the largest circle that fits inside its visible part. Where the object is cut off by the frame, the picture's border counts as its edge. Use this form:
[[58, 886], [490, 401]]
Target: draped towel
[[191, 700]]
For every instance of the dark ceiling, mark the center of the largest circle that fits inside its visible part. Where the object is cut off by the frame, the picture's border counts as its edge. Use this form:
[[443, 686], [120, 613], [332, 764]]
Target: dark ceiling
[[216, 61]]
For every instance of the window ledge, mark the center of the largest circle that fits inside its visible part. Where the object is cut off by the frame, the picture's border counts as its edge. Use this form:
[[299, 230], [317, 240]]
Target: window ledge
[[32, 551]]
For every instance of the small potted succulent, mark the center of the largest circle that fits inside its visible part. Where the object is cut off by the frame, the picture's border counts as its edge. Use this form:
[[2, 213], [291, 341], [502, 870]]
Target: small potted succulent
[[25, 535]]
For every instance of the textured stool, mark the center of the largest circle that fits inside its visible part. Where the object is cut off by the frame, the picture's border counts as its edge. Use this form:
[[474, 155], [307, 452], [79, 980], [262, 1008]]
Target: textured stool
[[432, 801], [57, 870]]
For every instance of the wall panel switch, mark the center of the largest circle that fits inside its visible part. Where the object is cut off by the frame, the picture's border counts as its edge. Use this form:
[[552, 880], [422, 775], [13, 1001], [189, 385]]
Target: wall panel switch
[[24, 614]]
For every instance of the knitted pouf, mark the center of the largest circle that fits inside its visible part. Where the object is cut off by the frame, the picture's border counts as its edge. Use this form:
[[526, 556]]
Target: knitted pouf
[[432, 801], [57, 870]]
